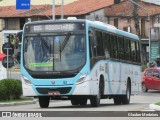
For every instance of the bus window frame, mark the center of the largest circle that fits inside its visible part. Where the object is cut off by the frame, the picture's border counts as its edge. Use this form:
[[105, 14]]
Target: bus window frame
[[124, 38]]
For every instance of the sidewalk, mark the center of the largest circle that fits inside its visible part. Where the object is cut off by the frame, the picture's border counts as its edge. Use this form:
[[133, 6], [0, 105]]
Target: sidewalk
[[154, 107], [3, 104]]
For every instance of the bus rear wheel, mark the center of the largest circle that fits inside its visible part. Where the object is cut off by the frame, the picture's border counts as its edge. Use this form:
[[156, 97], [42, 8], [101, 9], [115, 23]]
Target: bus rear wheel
[[44, 101], [117, 100], [144, 88], [126, 98]]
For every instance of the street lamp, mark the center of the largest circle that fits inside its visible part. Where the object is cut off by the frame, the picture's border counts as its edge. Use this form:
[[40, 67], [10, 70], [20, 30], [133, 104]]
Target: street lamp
[[146, 11]]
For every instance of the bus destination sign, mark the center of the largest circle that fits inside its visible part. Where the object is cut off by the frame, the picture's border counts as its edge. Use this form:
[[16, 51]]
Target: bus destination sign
[[56, 27]]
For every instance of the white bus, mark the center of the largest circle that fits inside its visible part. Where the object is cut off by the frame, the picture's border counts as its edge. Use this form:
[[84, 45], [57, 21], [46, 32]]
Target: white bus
[[79, 60]]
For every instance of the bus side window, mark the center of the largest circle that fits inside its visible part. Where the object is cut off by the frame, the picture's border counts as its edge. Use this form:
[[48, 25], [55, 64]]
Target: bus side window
[[106, 41], [92, 44], [100, 51], [114, 51], [121, 48], [133, 51], [138, 52], [127, 49], [90, 49]]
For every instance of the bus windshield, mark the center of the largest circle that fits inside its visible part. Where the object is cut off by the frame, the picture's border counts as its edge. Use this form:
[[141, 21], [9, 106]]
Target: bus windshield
[[54, 53]]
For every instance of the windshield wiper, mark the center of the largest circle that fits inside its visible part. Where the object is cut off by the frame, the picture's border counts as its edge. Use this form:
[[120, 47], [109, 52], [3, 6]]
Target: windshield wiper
[[43, 42], [64, 43]]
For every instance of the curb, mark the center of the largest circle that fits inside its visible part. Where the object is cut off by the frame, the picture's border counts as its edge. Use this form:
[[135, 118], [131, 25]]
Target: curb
[[154, 107], [18, 103]]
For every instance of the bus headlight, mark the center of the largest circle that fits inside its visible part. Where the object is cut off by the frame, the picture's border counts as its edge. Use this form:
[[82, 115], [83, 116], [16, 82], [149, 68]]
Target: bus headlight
[[26, 81], [81, 79]]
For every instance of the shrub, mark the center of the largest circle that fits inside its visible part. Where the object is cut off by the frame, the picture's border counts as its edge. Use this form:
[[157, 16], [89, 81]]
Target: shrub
[[144, 67], [10, 89]]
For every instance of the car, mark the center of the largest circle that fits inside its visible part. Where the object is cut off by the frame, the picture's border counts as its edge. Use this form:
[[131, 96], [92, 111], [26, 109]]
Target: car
[[151, 79]]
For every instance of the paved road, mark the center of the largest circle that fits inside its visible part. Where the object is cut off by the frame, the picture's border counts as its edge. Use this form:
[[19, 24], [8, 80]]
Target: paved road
[[138, 103], [64, 108]]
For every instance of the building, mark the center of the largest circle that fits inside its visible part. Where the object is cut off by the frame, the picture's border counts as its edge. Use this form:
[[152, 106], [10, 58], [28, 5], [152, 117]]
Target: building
[[115, 12], [13, 20], [86, 9], [121, 16], [35, 2]]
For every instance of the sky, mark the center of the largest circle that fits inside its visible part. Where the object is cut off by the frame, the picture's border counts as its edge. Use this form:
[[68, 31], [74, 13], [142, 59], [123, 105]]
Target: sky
[[35, 2]]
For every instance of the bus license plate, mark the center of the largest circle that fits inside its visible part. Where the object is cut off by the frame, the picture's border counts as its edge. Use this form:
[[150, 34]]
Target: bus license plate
[[53, 93]]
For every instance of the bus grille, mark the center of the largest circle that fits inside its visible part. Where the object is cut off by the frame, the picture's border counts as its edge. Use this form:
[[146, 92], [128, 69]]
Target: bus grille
[[61, 90]]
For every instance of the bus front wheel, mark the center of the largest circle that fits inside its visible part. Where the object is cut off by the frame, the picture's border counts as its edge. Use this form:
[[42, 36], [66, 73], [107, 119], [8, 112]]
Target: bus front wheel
[[74, 102], [95, 100], [44, 101]]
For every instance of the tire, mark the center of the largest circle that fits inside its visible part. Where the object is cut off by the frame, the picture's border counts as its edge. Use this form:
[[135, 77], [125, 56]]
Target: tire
[[44, 101], [126, 98], [83, 101], [117, 100], [144, 88], [95, 100], [74, 102]]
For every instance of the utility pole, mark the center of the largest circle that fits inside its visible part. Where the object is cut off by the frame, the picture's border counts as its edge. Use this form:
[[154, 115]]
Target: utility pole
[[53, 9], [62, 12], [136, 25], [135, 17]]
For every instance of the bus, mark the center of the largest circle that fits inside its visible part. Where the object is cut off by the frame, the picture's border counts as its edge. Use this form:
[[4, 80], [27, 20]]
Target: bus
[[79, 60]]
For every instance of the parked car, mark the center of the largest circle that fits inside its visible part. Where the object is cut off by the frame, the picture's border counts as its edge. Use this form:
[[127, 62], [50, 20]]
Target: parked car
[[151, 79]]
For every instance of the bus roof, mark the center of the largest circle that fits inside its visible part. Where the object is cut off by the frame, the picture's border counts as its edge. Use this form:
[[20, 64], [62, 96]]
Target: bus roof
[[111, 29], [95, 24]]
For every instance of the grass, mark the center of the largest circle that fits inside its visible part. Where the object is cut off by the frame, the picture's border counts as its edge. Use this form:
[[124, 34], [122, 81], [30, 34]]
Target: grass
[[158, 103], [16, 100]]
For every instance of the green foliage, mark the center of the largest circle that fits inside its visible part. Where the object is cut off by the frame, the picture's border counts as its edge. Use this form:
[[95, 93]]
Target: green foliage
[[144, 66], [10, 89], [158, 103]]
